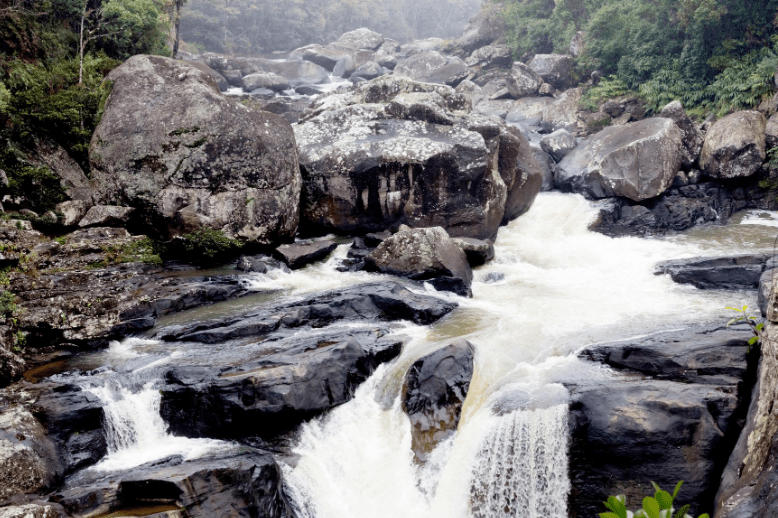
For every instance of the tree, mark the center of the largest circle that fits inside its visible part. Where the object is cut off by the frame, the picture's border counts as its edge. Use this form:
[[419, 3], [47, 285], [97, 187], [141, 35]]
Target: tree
[[177, 22]]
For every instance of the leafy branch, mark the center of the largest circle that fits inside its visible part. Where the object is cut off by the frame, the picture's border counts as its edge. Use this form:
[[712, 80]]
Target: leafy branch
[[745, 316], [658, 506]]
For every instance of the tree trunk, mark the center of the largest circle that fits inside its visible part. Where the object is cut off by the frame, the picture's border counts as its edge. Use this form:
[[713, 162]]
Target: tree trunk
[[81, 47], [179, 3]]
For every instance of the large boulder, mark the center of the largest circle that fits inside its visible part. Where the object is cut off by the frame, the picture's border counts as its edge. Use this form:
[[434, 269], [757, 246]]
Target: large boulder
[[555, 69], [735, 145], [558, 144], [488, 26], [172, 146], [692, 137], [297, 72], [430, 66], [562, 112], [433, 393], [490, 56], [325, 56], [267, 80], [523, 81], [637, 161], [393, 151], [362, 38], [424, 254]]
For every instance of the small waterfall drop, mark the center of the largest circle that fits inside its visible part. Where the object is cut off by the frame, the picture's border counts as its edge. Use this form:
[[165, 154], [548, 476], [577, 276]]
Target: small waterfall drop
[[521, 468]]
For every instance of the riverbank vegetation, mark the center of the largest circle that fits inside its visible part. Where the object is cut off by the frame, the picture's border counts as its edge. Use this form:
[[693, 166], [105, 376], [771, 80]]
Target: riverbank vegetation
[[713, 55]]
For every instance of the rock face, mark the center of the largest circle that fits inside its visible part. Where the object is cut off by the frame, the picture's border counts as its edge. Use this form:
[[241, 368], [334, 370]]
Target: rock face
[[735, 145], [555, 69], [393, 151], [424, 254], [692, 137], [170, 145], [724, 273], [638, 161], [558, 144], [632, 430], [748, 485], [433, 393], [490, 56], [430, 66], [28, 461]]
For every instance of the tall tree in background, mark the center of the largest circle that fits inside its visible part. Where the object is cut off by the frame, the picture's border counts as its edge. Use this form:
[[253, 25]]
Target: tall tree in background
[[177, 22]]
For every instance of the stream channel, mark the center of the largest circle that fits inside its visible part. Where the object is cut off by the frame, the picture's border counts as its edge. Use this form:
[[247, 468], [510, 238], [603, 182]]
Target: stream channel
[[553, 288]]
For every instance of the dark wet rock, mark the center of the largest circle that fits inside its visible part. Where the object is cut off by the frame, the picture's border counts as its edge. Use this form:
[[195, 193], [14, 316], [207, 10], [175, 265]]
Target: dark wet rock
[[28, 460], [381, 301], [259, 264], [558, 144], [308, 90], [637, 161], [486, 27], [243, 483], [546, 165], [267, 80], [735, 145], [630, 431], [493, 277], [555, 69], [301, 254], [424, 254], [189, 157], [396, 151], [302, 375], [73, 420], [234, 77], [106, 216], [387, 61], [692, 137], [374, 239], [523, 81], [434, 390], [433, 67], [701, 355], [724, 273], [477, 251], [325, 56]]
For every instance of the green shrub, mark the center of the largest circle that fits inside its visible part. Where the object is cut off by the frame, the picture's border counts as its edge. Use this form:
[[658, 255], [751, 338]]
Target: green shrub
[[658, 506], [606, 89], [36, 184], [7, 304], [208, 247]]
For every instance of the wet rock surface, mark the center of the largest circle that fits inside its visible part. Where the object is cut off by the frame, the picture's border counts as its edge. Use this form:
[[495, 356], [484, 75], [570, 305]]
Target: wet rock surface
[[727, 273], [676, 414], [433, 393], [301, 254]]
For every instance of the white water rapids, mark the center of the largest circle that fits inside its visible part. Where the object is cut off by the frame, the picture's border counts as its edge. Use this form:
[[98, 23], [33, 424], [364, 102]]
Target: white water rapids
[[553, 288]]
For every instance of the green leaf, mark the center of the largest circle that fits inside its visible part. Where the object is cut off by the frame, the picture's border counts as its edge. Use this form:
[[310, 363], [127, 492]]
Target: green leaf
[[651, 507], [664, 499], [609, 515], [753, 340], [682, 512], [677, 488], [617, 505], [704, 515], [656, 486]]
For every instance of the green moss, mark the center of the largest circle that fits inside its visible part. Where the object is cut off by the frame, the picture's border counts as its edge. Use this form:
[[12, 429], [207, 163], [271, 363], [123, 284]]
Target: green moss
[[208, 247], [197, 143], [184, 131]]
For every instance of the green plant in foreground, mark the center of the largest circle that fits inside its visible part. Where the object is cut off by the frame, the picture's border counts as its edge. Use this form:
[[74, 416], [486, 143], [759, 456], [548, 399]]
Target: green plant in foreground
[[658, 506], [745, 316]]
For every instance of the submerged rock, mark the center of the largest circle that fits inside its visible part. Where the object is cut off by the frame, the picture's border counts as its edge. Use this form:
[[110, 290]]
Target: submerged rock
[[433, 393], [424, 254], [188, 157], [723, 273]]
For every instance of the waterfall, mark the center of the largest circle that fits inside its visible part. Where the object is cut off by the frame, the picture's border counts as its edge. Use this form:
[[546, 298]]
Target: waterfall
[[135, 431], [521, 467]]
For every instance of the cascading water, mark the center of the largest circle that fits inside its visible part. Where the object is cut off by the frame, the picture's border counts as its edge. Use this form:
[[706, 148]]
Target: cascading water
[[553, 288]]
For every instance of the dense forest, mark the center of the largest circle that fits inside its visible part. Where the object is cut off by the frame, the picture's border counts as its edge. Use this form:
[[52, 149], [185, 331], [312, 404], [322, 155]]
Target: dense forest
[[54, 55], [715, 55], [250, 27]]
